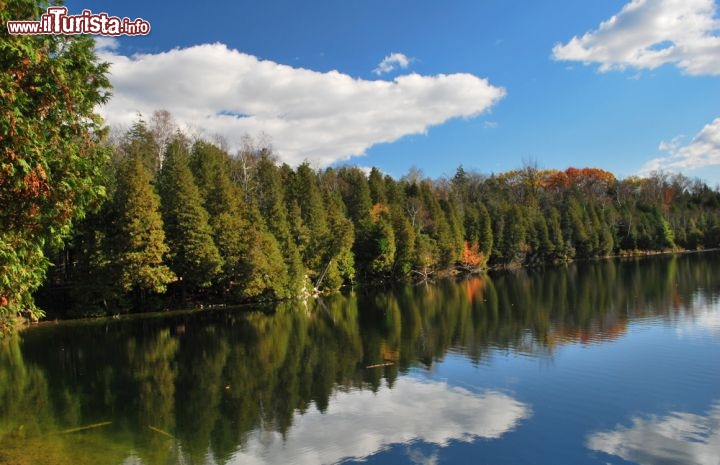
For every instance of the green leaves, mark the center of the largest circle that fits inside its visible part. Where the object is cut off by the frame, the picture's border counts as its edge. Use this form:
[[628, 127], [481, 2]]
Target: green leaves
[[194, 258], [140, 238], [49, 151]]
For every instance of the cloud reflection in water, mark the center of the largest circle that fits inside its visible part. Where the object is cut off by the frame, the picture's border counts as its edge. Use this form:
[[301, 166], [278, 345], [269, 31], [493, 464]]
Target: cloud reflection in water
[[358, 424], [678, 438]]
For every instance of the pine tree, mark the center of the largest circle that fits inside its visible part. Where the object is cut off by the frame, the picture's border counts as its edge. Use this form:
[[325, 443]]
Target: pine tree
[[338, 259], [453, 217], [446, 250], [308, 197], [261, 273], [544, 248], [382, 242], [356, 195], [694, 235], [514, 244], [555, 235], [141, 144], [194, 258], [576, 229], [210, 167], [271, 203], [485, 233], [141, 239], [253, 268], [404, 242], [377, 187]]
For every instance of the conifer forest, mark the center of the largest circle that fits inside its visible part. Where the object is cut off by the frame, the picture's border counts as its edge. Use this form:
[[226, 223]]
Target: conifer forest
[[183, 221]]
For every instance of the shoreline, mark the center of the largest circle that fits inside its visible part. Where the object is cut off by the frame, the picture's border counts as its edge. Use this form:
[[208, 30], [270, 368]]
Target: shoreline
[[451, 273]]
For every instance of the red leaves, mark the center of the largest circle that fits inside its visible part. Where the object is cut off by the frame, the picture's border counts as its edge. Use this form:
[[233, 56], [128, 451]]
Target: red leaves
[[378, 212], [583, 178], [35, 184], [589, 175], [471, 256]]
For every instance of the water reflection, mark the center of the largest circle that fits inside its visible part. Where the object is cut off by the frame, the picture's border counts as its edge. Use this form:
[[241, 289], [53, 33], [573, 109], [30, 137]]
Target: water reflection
[[704, 318], [233, 386], [678, 437], [360, 423]]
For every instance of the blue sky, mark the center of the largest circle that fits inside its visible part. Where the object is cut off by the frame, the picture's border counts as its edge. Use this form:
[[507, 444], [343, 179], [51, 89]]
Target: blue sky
[[489, 84]]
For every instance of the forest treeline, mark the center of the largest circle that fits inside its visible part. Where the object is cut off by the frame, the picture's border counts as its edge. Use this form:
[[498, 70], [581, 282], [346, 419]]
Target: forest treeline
[[185, 219]]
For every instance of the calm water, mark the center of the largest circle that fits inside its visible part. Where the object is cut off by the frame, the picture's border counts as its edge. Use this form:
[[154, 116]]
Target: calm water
[[596, 363]]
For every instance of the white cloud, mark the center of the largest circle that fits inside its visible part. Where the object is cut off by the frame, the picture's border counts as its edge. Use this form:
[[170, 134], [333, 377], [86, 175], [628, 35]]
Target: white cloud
[[358, 424], [391, 62], [418, 458], [648, 33], [677, 438], [321, 117], [703, 150], [105, 43]]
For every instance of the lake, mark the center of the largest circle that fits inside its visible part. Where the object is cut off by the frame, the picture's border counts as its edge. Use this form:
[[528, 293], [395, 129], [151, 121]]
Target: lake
[[612, 362]]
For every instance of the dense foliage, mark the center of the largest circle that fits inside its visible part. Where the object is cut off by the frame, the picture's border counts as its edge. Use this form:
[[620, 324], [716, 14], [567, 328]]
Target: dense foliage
[[185, 220], [157, 219], [49, 155]]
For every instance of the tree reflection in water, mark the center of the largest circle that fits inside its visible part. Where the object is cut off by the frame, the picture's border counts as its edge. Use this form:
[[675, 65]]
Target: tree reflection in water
[[188, 386]]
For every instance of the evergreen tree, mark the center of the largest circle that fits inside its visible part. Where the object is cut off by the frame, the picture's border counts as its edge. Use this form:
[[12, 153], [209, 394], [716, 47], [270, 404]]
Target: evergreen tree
[[140, 143], [254, 268], [425, 255], [694, 235], [50, 152], [485, 233], [664, 232], [271, 203], [338, 259], [377, 187], [382, 241], [262, 273], [313, 213], [405, 237], [141, 239], [575, 229], [555, 235], [356, 195], [544, 248], [452, 214], [514, 244], [446, 249], [193, 257], [210, 168], [368, 243]]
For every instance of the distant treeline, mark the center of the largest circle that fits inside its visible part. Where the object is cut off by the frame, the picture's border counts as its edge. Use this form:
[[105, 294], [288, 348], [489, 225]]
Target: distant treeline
[[185, 220]]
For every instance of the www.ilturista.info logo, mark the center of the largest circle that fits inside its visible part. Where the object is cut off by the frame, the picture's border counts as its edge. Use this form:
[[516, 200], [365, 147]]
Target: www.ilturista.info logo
[[57, 21]]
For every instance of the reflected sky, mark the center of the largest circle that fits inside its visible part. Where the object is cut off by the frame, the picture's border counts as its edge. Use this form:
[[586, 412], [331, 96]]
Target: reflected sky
[[677, 438], [358, 424], [704, 316], [559, 367]]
